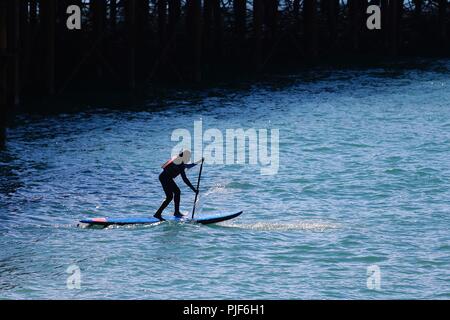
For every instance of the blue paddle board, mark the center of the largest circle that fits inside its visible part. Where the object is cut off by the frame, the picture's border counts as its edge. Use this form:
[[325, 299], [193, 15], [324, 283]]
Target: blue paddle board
[[203, 219]]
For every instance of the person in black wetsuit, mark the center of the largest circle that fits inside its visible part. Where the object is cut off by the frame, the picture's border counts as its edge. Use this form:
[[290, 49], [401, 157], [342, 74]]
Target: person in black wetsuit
[[171, 169]]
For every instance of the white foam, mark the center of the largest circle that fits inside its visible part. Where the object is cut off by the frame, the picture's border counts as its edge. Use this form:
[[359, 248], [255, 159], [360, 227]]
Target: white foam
[[283, 226]]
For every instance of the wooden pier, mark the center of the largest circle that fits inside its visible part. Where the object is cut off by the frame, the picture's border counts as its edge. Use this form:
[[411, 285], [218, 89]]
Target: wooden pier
[[133, 43]]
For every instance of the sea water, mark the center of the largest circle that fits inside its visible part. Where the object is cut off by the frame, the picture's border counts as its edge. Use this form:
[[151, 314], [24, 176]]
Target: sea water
[[358, 209]]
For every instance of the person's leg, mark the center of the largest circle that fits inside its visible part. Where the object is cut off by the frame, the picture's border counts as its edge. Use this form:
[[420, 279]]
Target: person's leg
[[167, 187], [176, 199]]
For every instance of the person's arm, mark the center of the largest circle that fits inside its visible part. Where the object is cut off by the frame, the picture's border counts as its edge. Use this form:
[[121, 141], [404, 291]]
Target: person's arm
[[191, 165], [186, 180]]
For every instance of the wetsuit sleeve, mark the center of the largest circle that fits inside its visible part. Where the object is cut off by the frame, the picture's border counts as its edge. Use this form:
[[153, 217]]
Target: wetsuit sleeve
[[186, 180], [190, 165]]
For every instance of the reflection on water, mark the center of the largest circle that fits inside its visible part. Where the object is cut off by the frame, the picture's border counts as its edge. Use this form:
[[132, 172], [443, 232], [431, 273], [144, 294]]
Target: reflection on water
[[9, 181], [291, 226]]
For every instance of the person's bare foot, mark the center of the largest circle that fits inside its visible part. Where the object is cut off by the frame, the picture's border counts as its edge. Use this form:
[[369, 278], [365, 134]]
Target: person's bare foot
[[178, 215], [158, 216]]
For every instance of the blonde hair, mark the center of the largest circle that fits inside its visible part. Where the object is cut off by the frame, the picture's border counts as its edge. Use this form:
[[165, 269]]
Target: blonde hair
[[183, 157]]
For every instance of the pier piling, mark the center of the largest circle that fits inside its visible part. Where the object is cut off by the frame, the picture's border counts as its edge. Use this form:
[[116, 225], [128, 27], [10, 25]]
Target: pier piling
[[130, 18], [48, 21], [3, 72], [311, 28], [144, 41], [258, 15]]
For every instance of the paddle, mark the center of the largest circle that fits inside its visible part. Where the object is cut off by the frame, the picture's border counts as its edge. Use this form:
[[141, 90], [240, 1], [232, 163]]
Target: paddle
[[198, 186]]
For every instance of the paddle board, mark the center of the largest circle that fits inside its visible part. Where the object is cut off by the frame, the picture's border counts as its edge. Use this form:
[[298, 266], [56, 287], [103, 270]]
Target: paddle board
[[203, 219]]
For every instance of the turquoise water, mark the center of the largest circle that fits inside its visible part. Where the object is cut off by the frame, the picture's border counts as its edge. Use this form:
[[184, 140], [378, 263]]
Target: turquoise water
[[364, 180]]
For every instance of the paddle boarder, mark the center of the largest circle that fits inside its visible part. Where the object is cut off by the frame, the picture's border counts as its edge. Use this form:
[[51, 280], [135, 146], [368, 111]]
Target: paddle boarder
[[171, 169]]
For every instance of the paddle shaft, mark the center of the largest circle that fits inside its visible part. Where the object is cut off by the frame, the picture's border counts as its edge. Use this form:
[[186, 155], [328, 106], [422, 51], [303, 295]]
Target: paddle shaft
[[198, 186]]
